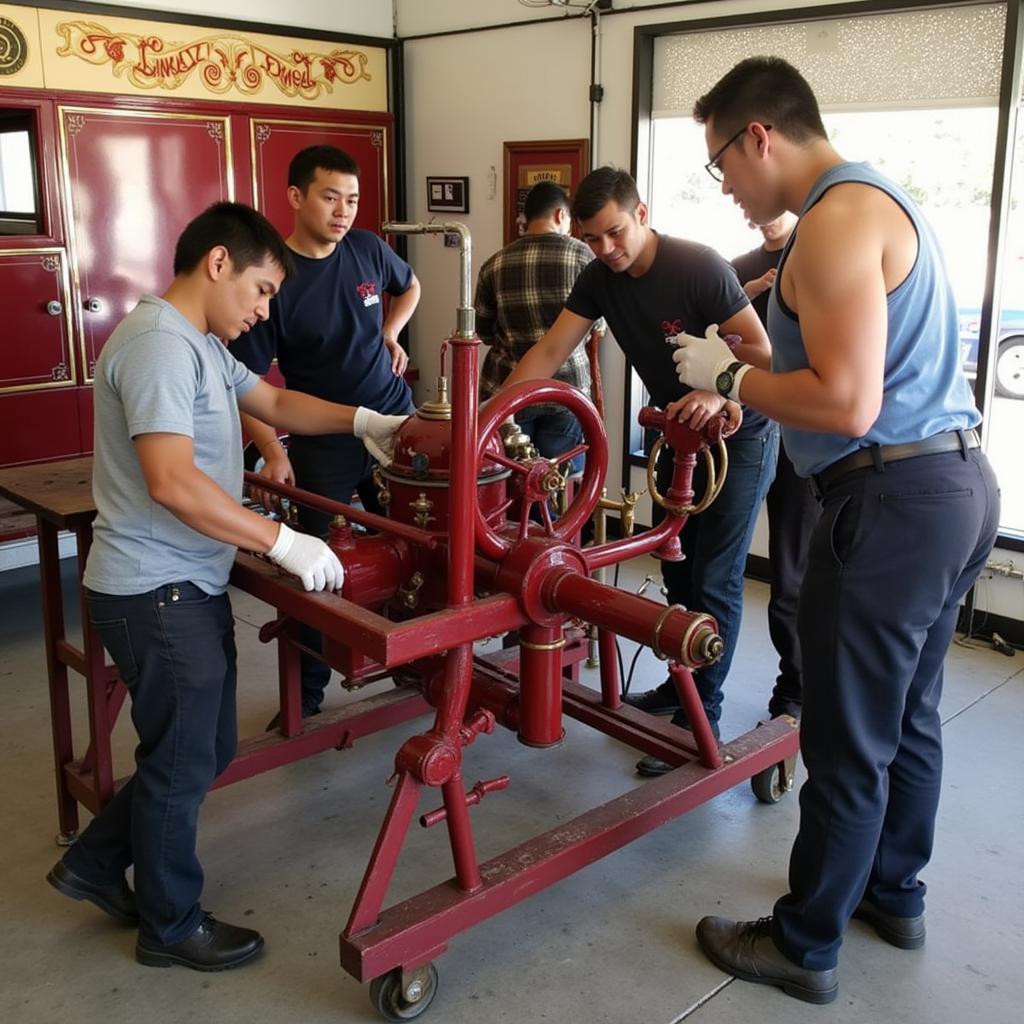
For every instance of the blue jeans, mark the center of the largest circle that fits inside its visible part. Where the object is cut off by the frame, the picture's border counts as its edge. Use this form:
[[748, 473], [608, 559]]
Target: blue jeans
[[174, 648], [716, 542], [553, 433], [890, 560]]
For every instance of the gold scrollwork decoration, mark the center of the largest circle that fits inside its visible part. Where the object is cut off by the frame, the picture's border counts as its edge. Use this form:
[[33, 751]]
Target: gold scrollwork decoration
[[222, 62]]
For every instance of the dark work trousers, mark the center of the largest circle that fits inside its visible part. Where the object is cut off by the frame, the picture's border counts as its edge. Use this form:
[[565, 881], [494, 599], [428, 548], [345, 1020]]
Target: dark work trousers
[[553, 433], [335, 468], [792, 514], [892, 556], [174, 648], [716, 542]]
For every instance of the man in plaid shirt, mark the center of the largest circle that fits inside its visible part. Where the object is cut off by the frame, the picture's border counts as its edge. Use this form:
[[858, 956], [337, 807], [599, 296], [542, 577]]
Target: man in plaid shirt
[[519, 294]]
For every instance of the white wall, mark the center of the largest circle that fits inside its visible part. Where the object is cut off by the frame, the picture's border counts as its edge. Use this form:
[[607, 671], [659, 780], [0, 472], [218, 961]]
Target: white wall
[[346, 17]]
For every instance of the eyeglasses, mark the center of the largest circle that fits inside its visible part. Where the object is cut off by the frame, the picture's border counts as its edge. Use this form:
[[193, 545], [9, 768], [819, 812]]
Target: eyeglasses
[[713, 166]]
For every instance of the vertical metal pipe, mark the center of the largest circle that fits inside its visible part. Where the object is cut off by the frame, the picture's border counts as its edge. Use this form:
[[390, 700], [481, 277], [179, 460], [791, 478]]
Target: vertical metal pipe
[[462, 494], [610, 685], [460, 835], [540, 686], [57, 671]]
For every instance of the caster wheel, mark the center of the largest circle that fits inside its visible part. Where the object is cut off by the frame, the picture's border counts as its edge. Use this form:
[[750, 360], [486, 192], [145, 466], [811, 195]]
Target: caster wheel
[[771, 785], [395, 1005]]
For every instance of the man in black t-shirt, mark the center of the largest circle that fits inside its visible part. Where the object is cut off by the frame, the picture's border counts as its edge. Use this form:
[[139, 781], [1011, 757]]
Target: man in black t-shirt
[[792, 510], [328, 331], [650, 287]]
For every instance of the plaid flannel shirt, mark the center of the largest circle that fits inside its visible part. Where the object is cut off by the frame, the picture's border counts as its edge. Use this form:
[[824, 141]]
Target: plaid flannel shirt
[[519, 294]]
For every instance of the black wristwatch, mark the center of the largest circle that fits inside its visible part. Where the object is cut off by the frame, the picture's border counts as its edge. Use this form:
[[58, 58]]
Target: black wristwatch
[[725, 380]]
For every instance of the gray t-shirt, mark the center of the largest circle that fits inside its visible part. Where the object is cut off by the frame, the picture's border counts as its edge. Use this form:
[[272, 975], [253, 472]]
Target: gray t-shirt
[[158, 374]]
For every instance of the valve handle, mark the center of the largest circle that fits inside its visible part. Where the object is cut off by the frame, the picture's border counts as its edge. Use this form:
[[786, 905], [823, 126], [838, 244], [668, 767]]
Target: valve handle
[[684, 440], [497, 545]]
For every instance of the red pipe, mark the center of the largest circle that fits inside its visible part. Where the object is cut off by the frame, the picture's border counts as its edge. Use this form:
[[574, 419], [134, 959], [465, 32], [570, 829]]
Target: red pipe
[[462, 494], [540, 686], [642, 544], [355, 515], [688, 637], [610, 684]]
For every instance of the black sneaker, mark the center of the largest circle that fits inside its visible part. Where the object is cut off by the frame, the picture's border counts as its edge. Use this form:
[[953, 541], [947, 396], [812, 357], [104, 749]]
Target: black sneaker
[[661, 701], [275, 722]]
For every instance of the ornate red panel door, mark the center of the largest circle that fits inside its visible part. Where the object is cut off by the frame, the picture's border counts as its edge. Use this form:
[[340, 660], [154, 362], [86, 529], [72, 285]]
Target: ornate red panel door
[[38, 404], [133, 179], [275, 141]]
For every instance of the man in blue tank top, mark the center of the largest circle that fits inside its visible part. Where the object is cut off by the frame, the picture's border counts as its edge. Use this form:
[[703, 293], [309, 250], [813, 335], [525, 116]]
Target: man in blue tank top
[[865, 379], [331, 339]]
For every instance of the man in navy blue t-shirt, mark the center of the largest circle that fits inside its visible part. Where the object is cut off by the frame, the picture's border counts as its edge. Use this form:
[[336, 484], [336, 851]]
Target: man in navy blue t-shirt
[[328, 331], [649, 288]]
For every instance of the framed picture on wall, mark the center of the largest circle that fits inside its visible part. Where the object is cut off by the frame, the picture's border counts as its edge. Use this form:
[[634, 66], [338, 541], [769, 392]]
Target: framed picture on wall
[[563, 161]]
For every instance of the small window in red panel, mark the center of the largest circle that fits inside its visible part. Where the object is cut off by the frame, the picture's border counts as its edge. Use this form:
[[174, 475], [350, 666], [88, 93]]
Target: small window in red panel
[[20, 208]]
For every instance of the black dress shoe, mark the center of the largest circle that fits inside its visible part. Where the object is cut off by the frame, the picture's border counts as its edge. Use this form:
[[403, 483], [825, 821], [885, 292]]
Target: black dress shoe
[[114, 898], [745, 950], [275, 722], [903, 932], [651, 767], [213, 946], [661, 701]]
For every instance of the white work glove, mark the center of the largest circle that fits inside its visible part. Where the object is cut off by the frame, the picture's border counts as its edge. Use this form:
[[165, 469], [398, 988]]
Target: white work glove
[[699, 361], [377, 432], [307, 557]]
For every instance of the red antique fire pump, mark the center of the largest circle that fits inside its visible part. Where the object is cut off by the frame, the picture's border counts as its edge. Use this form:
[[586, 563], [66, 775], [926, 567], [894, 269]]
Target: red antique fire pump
[[470, 549]]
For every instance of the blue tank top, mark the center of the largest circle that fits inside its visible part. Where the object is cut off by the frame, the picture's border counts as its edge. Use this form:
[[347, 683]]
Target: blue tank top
[[924, 391]]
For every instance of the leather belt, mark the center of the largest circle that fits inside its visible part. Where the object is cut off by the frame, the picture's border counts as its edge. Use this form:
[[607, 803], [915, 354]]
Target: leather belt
[[877, 455]]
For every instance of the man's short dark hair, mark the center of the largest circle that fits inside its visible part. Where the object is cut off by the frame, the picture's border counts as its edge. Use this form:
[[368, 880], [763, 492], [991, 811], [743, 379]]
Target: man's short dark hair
[[765, 89], [602, 186], [246, 234], [543, 199], [302, 170]]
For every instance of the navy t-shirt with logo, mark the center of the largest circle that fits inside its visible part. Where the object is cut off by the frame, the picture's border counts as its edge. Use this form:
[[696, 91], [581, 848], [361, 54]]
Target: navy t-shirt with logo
[[325, 326]]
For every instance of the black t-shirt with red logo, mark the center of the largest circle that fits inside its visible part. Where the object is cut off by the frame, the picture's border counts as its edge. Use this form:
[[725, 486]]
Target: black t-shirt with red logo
[[687, 287], [325, 326]]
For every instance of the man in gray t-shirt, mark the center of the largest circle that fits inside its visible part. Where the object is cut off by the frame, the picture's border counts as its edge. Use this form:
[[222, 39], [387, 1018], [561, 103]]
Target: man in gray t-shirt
[[167, 484]]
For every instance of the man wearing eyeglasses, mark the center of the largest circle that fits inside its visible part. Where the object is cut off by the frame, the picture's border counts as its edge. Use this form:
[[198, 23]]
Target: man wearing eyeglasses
[[650, 288], [866, 381]]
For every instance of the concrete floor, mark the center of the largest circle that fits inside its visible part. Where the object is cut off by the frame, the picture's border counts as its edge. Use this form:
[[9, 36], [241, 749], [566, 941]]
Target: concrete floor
[[284, 853]]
